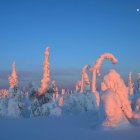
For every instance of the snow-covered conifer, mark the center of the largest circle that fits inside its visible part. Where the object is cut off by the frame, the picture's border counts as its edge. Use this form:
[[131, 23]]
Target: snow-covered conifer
[[46, 75], [138, 81], [13, 81], [96, 68], [130, 84]]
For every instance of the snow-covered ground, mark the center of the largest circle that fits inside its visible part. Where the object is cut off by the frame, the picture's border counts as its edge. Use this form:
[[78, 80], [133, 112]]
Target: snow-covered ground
[[66, 127]]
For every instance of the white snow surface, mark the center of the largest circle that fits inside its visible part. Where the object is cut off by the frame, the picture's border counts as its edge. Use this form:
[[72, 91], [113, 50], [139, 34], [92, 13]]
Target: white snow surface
[[66, 127]]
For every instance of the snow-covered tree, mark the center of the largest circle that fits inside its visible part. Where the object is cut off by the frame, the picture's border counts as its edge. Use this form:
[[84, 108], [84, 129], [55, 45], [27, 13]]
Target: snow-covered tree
[[47, 109], [15, 96], [63, 92], [138, 81], [96, 68], [3, 106], [56, 92], [61, 97], [4, 92], [84, 79], [61, 100], [130, 84], [32, 90], [48, 90], [76, 103], [116, 98], [50, 109], [83, 85], [78, 86], [13, 81], [35, 108], [110, 109], [16, 103], [46, 75], [137, 104]]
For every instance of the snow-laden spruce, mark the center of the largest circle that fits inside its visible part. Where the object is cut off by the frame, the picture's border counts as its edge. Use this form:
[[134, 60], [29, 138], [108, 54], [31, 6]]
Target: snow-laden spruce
[[13, 81], [3, 106], [46, 109], [15, 103], [77, 102], [130, 85], [83, 85], [46, 75]]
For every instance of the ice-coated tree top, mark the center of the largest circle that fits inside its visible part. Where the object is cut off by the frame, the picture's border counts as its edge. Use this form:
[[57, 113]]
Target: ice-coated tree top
[[100, 60], [13, 81], [46, 75]]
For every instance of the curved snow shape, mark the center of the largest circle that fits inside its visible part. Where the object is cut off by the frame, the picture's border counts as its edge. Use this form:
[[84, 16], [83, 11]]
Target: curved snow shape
[[97, 66], [13, 81], [99, 61], [85, 75], [85, 79], [86, 67], [113, 81]]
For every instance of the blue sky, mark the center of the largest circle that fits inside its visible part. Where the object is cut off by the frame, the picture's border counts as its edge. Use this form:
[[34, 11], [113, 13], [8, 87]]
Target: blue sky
[[77, 31]]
